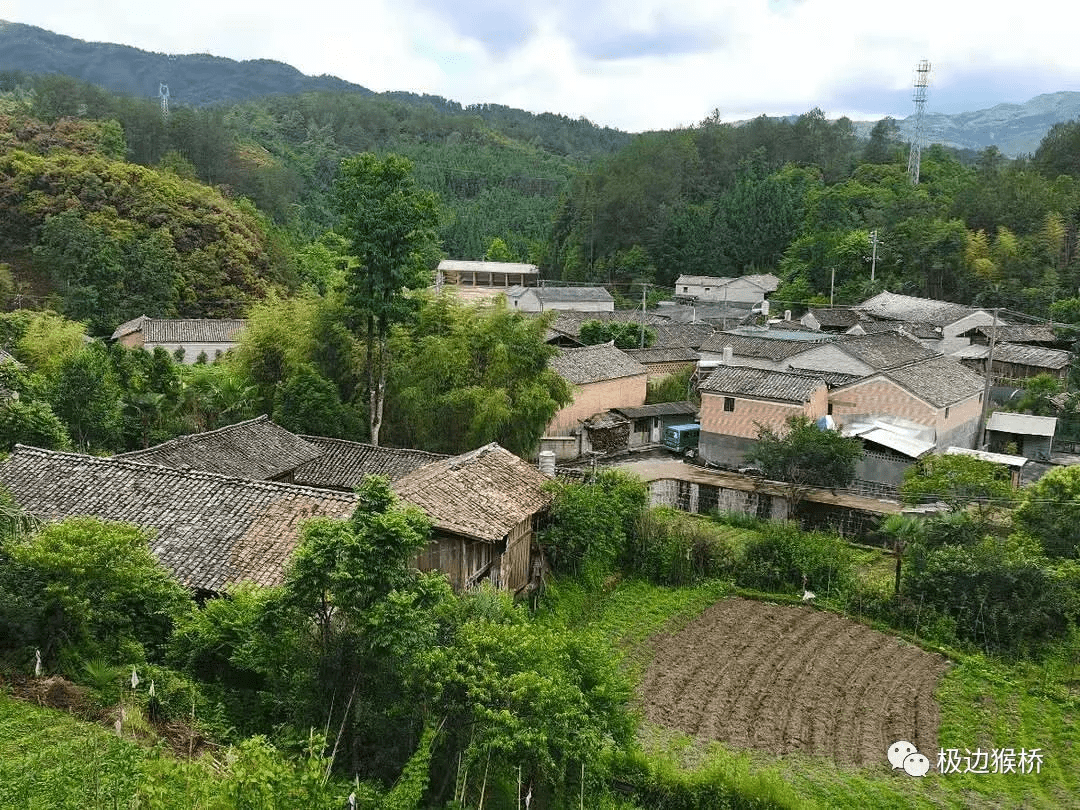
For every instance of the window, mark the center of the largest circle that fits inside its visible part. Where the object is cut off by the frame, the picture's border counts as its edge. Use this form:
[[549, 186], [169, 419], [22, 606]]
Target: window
[[729, 404], [707, 289], [830, 409], [946, 412], [686, 289]]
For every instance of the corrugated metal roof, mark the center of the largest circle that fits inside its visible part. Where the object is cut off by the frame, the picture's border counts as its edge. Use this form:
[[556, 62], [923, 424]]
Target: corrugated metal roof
[[905, 445], [761, 383], [1022, 423]]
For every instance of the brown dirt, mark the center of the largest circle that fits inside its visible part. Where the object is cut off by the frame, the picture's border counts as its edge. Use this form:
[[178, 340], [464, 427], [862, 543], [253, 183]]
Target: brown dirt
[[787, 679]]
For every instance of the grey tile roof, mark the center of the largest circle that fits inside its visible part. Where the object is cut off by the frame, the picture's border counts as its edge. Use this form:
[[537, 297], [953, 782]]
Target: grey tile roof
[[671, 354], [591, 364], [766, 281], [1036, 356], [209, 530], [832, 378], [885, 349], [870, 326], [760, 347], [940, 380], [1018, 333], [482, 494], [257, 448], [191, 330], [890, 306], [835, 318], [761, 383], [659, 409], [563, 293], [343, 464]]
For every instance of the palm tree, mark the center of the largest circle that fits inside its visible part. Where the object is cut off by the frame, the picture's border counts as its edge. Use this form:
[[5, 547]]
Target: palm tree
[[903, 529]]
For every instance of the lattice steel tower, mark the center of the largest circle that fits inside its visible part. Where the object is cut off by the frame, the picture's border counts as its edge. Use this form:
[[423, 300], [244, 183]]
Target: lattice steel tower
[[163, 94], [922, 82]]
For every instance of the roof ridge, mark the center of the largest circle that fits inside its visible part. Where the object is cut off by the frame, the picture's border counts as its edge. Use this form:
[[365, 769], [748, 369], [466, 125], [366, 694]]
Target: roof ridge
[[187, 438], [187, 472], [338, 440]]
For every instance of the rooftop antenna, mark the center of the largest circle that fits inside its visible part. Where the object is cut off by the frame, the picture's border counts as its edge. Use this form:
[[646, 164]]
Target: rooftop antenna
[[918, 95], [163, 94]]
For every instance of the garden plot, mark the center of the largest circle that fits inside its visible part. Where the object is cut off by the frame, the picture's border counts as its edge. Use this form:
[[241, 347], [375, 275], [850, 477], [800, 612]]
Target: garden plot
[[785, 679]]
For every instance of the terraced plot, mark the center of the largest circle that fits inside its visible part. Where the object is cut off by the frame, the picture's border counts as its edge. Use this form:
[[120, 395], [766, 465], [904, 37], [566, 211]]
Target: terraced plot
[[784, 679]]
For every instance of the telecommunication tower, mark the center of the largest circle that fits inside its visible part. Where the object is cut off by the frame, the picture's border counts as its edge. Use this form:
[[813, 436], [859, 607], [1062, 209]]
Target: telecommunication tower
[[922, 82], [163, 94]]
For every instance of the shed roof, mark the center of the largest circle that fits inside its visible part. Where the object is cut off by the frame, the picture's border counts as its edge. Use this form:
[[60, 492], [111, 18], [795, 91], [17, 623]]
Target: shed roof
[[1017, 333], [591, 364], [342, 464], [186, 330], [905, 445], [481, 495], [210, 530], [1022, 423], [761, 383], [256, 448], [659, 409], [1036, 356], [997, 458], [460, 265]]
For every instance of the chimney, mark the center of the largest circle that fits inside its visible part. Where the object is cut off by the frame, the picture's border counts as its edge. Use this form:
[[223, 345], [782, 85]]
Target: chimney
[[787, 314], [547, 462], [765, 308]]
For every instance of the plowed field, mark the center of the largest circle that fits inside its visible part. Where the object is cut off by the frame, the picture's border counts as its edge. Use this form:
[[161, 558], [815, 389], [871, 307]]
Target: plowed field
[[784, 679]]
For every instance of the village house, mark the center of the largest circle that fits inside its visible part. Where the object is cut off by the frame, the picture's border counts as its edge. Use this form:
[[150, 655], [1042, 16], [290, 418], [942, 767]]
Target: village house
[[736, 401], [257, 448], [660, 362], [194, 339], [683, 335], [749, 290], [862, 355], [948, 321], [485, 506], [1039, 334], [602, 377], [546, 299], [211, 531], [937, 393], [1015, 361], [760, 348]]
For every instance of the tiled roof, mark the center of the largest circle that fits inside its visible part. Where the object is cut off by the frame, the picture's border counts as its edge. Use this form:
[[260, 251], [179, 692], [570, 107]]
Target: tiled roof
[[562, 293], [940, 380], [681, 334], [209, 530], [722, 315], [761, 347], [885, 349], [343, 464], [591, 364], [192, 330], [1018, 333], [835, 318], [671, 354], [482, 494], [761, 383], [1037, 356], [257, 448], [832, 378], [917, 310], [869, 326], [766, 281], [659, 409]]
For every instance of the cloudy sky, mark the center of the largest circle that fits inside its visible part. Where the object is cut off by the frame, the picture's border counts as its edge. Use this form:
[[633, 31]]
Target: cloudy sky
[[632, 64]]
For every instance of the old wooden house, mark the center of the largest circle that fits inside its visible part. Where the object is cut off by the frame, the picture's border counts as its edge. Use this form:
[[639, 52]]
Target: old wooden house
[[485, 506]]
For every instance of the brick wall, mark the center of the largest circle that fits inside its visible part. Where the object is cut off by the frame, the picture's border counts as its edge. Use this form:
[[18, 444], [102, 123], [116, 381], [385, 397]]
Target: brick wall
[[625, 392], [748, 412]]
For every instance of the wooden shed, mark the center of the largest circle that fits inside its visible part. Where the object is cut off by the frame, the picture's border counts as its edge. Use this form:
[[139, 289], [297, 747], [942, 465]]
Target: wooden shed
[[485, 506]]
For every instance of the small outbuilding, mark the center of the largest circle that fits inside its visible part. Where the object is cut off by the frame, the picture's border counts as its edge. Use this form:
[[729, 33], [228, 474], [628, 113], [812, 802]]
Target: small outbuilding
[[1031, 436]]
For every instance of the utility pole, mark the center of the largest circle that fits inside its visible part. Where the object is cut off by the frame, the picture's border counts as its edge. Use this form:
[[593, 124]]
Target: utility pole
[[644, 288], [832, 287], [986, 383], [873, 254]]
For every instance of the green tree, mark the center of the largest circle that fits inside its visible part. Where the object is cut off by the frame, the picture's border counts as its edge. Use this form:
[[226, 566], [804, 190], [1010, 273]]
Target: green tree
[[1050, 511], [87, 398], [958, 481], [32, 423], [308, 403], [626, 335], [805, 456], [102, 591], [390, 225]]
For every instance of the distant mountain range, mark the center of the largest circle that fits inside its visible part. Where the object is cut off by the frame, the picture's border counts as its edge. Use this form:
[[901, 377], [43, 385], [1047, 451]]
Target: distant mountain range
[[201, 79]]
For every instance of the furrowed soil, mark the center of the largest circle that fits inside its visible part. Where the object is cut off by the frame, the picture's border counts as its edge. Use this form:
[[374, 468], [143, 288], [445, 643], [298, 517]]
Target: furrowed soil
[[784, 679]]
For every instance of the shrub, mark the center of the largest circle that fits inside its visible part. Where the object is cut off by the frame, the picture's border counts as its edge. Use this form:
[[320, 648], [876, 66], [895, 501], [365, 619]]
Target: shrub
[[781, 554], [670, 548]]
